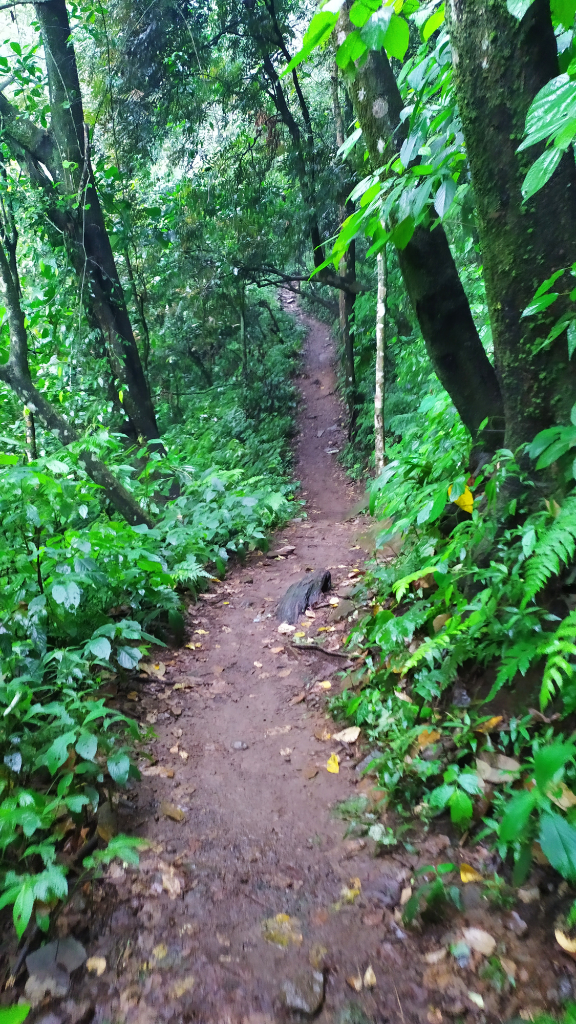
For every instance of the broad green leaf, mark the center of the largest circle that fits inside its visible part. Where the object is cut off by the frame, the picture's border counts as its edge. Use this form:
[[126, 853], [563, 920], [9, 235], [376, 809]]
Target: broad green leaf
[[8, 460], [433, 23], [374, 31], [319, 30], [461, 807], [351, 49], [361, 11], [564, 11], [118, 767], [100, 647], [538, 305], [470, 782], [547, 284], [441, 796], [542, 441], [444, 197], [558, 842], [57, 752], [516, 817], [14, 1014], [403, 232], [551, 109], [23, 907], [518, 8], [397, 37], [550, 760], [128, 657], [87, 746], [541, 172]]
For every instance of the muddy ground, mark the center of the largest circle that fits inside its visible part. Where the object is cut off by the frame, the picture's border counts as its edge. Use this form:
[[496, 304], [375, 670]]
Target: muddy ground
[[238, 808]]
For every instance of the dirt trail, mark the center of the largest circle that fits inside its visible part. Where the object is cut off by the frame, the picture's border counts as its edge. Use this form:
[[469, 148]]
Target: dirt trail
[[183, 936]]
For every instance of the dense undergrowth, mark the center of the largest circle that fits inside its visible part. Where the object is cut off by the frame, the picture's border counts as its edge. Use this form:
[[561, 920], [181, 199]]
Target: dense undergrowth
[[469, 627], [84, 596]]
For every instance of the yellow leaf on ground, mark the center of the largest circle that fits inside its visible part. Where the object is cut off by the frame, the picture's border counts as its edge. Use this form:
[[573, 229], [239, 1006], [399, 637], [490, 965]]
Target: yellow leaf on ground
[[157, 770], [488, 726], [299, 635], [324, 685], [333, 764], [183, 985], [469, 874], [160, 952], [350, 892], [96, 964], [427, 737], [282, 930], [355, 982], [202, 632]]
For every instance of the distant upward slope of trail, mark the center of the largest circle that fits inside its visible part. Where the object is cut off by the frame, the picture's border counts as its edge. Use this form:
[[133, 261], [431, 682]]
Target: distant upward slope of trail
[[237, 805]]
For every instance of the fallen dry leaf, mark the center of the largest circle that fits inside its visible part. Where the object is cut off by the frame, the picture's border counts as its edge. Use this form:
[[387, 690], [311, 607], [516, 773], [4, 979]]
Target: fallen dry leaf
[[405, 895], [183, 754], [282, 930], [171, 811], [561, 795], [285, 751], [317, 956], [202, 632], [297, 699], [435, 956], [179, 988], [322, 733], [157, 669], [563, 940], [171, 883], [369, 977], [310, 771], [402, 696], [440, 621], [258, 664], [347, 735], [355, 982], [276, 650], [509, 966], [469, 874], [324, 684], [284, 673], [160, 952], [498, 769], [226, 629], [333, 764], [157, 770], [477, 999], [96, 964], [174, 749], [132, 695], [278, 730], [286, 628], [479, 940]]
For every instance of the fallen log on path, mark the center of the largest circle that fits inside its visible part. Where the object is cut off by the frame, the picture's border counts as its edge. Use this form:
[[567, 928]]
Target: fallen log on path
[[303, 595]]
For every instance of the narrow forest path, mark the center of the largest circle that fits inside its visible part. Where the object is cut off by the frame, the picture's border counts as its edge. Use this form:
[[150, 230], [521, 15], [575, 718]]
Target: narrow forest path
[[183, 937], [237, 808]]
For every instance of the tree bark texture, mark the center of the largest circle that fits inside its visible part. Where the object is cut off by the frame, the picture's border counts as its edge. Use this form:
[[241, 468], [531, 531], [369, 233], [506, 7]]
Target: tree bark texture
[[347, 269], [380, 382], [428, 268], [16, 373], [65, 152], [500, 65]]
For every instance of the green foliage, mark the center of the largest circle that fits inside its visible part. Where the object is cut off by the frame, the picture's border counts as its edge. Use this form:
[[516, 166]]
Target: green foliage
[[433, 895]]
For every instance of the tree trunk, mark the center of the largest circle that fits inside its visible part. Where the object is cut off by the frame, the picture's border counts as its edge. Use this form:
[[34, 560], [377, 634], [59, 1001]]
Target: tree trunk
[[16, 373], [380, 355], [499, 66], [428, 268], [347, 269], [87, 236]]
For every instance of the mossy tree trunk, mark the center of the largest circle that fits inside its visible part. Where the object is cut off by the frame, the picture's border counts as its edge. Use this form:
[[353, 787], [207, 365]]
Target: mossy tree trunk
[[500, 65], [427, 265]]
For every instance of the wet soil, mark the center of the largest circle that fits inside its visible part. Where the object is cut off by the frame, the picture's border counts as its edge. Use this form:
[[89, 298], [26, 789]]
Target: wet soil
[[238, 809]]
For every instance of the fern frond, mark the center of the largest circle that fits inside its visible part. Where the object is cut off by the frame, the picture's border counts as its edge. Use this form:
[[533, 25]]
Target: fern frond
[[555, 548]]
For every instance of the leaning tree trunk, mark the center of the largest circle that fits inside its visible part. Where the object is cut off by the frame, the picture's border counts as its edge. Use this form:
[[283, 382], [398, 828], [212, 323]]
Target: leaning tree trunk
[[500, 65], [427, 265], [16, 373], [379, 390], [92, 252]]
